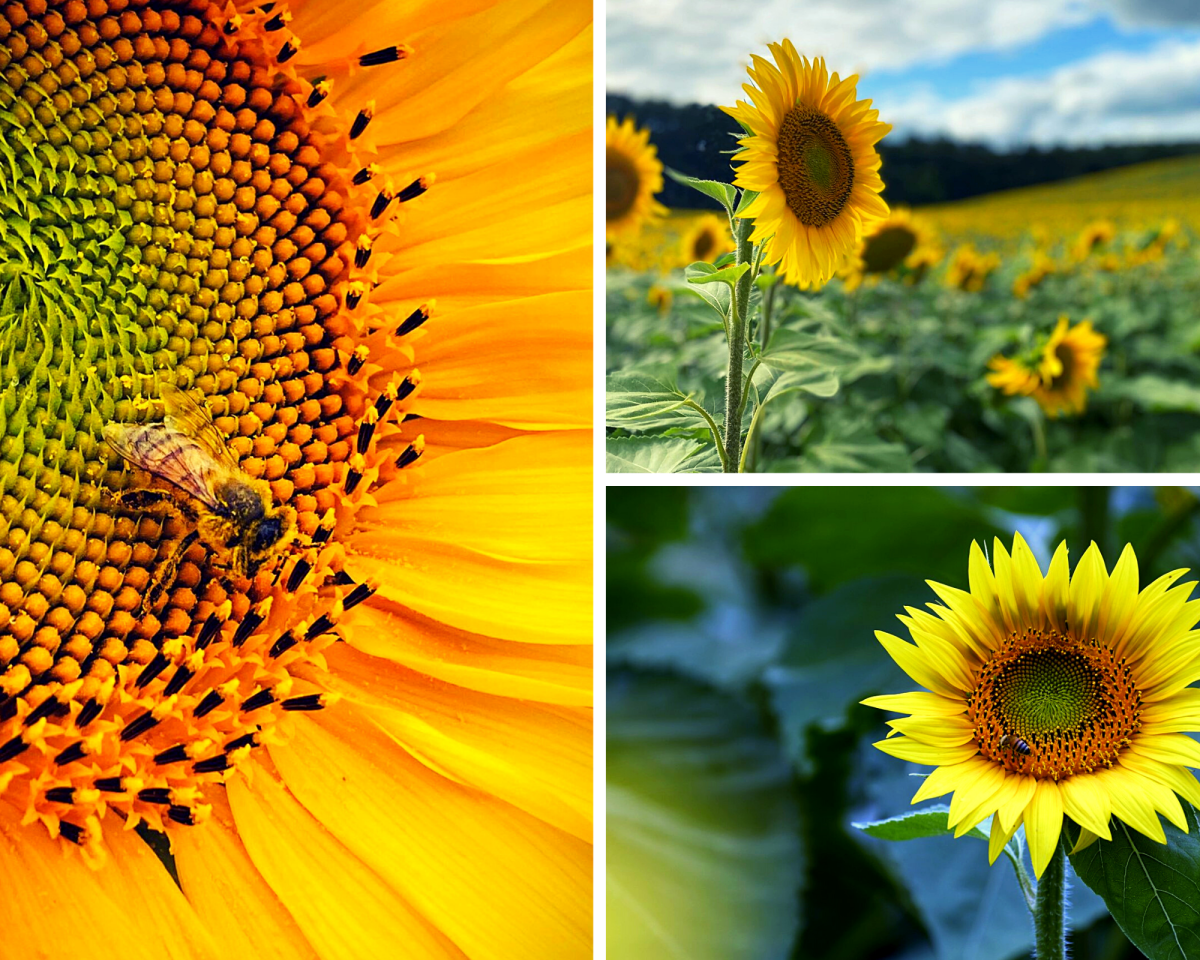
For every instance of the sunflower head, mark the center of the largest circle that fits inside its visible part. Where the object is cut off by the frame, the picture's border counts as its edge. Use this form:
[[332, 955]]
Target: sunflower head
[[1043, 266], [706, 239], [969, 269], [904, 242], [1062, 372], [810, 155], [633, 174], [660, 298], [1063, 695], [1093, 237]]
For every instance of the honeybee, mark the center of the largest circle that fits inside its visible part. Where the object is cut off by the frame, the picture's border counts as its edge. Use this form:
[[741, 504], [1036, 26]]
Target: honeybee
[[1016, 743], [231, 513]]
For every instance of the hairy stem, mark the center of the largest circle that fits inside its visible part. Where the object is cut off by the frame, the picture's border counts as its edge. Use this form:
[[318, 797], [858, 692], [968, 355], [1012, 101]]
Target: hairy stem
[[1049, 910], [737, 350]]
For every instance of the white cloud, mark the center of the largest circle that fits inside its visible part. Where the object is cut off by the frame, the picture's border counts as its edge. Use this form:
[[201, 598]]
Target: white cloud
[[1107, 98], [697, 50]]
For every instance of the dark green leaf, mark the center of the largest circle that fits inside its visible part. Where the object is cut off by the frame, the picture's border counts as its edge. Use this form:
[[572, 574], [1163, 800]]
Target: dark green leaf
[[644, 399], [820, 383], [795, 349], [1152, 889], [718, 295], [650, 454]]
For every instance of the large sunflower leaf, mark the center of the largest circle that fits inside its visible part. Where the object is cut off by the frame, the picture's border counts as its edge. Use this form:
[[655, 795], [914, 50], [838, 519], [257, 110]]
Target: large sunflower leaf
[[656, 455], [797, 350], [649, 398], [1151, 889], [704, 854]]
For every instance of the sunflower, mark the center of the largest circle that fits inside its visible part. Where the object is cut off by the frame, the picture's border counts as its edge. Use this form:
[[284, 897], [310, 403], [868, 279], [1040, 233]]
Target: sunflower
[[969, 269], [1043, 266], [337, 229], [706, 239], [810, 155], [633, 174], [904, 241], [1060, 378], [1052, 697], [1093, 237]]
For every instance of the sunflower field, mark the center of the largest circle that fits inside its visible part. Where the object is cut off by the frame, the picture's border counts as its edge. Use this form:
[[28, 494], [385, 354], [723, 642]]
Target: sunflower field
[[1051, 328], [765, 800]]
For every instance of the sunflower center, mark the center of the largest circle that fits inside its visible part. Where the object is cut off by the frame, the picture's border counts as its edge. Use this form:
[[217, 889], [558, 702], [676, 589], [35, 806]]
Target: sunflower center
[[169, 219], [704, 245], [816, 167], [1066, 356], [1051, 706], [888, 248], [621, 185]]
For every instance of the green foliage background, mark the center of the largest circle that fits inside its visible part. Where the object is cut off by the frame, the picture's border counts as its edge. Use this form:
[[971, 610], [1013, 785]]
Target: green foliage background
[[740, 642]]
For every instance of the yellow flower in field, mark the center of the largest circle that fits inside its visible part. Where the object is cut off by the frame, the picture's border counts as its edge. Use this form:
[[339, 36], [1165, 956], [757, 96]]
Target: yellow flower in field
[[969, 269], [706, 239], [1042, 267], [660, 298], [903, 240], [365, 733], [810, 155], [1096, 234], [632, 176], [1063, 696], [1059, 381]]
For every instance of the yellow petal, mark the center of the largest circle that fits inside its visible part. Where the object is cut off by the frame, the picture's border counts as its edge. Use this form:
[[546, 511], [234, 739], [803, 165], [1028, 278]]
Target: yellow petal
[[918, 664], [998, 839], [907, 749], [1086, 802], [1087, 589], [224, 887], [129, 909], [1056, 591], [1086, 839], [918, 703], [495, 880], [1043, 823]]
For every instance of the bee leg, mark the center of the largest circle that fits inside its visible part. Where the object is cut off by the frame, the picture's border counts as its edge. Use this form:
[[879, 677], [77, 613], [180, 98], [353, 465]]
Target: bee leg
[[150, 499], [165, 575]]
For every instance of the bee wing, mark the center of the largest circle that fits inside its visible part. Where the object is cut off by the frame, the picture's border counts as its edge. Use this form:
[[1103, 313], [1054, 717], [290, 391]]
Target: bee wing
[[188, 417], [169, 454]]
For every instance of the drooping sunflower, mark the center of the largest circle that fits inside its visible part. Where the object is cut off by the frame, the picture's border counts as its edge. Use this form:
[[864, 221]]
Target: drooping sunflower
[[1063, 696], [1059, 379], [1093, 237], [633, 174], [810, 155], [902, 241], [706, 239], [1043, 266], [377, 740]]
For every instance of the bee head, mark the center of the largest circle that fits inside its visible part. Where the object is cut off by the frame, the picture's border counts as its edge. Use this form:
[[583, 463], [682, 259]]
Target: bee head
[[267, 537]]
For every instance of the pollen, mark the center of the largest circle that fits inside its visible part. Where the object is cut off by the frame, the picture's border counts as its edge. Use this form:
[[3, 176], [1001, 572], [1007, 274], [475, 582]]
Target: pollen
[[1072, 702], [176, 212]]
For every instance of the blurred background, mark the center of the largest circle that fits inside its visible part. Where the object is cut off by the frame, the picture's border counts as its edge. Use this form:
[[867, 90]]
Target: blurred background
[[741, 638]]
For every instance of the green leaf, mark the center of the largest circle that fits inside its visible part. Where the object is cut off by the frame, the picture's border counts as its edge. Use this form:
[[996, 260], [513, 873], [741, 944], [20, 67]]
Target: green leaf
[[1151, 889], [747, 198], [862, 453], [916, 825], [725, 194], [651, 454], [1158, 394], [820, 383], [730, 275], [704, 853], [793, 349], [718, 297], [649, 398]]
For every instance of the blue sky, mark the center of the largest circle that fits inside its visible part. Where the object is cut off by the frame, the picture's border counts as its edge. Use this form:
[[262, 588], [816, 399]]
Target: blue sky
[[1010, 73]]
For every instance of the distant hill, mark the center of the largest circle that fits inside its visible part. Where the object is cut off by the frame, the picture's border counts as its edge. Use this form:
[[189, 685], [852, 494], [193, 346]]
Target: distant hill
[[691, 138]]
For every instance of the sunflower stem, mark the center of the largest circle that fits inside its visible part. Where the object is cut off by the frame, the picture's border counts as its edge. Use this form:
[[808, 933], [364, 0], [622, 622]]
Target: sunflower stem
[[1049, 911], [737, 349]]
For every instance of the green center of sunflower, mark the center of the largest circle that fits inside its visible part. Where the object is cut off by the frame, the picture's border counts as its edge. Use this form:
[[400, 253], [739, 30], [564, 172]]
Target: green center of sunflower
[[166, 218], [816, 167], [1050, 705], [621, 185], [887, 249]]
